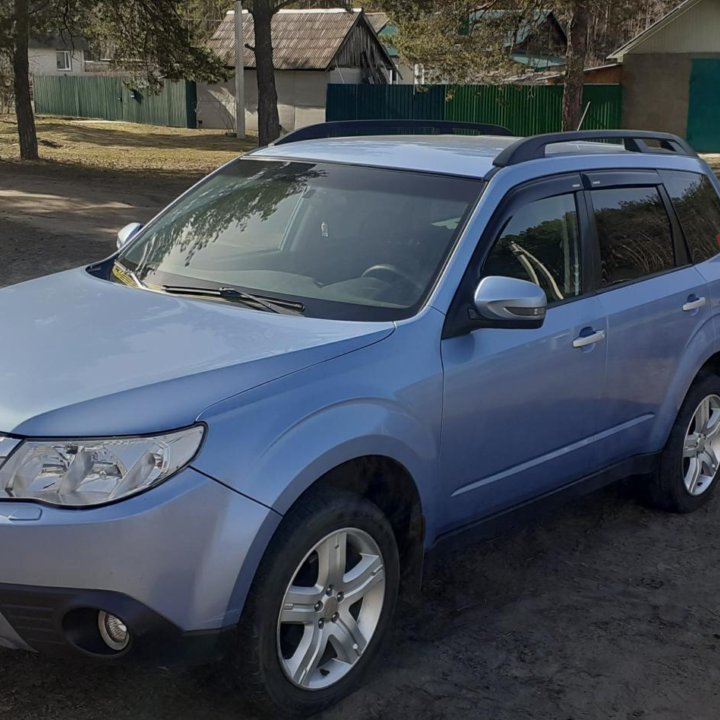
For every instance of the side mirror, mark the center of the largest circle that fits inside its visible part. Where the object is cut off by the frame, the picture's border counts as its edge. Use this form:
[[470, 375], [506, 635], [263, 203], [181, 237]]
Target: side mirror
[[127, 234], [504, 302]]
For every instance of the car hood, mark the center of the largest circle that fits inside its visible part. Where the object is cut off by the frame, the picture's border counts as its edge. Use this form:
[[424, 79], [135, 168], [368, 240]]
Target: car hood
[[82, 356]]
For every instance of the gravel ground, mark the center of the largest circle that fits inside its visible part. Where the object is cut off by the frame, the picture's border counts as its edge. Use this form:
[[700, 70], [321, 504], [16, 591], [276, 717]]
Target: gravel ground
[[602, 611]]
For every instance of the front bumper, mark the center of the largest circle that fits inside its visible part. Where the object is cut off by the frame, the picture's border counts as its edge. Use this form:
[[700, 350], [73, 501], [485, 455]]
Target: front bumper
[[174, 564], [63, 622]]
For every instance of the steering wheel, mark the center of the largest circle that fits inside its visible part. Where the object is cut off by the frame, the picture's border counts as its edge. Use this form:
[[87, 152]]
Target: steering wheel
[[387, 271]]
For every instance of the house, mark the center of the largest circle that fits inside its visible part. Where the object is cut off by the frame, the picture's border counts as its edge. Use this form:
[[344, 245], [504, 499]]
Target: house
[[403, 74], [311, 48], [57, 54], [535, 40], [671, 75]]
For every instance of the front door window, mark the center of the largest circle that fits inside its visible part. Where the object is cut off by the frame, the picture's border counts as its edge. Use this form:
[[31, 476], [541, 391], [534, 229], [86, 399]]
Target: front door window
[[541, 243]]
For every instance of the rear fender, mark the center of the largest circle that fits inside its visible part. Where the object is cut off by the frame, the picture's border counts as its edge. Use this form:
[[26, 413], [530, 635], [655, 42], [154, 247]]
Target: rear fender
[[699, 351]]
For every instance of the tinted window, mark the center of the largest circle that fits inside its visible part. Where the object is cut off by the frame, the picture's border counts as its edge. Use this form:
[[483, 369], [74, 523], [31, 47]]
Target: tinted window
[[348, 242], [634, 232], [698, 209], [540, 243]]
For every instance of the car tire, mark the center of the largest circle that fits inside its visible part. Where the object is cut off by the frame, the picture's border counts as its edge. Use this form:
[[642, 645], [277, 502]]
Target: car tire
[[688, 468], [281, 668]]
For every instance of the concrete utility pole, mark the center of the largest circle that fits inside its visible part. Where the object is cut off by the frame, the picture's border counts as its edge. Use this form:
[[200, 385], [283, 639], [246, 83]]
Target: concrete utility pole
[[239, 71]]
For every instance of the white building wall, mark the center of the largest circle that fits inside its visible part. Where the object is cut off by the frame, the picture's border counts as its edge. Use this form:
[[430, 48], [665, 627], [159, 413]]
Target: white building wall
[[346, 76], [43, 61], [301, 100]]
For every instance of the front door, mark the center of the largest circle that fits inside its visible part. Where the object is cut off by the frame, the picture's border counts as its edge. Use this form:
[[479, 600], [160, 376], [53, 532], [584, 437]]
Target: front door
[[520, 406]]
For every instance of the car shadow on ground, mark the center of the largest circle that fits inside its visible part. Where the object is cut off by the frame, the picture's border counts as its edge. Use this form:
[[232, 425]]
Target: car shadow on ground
[[604, 610]]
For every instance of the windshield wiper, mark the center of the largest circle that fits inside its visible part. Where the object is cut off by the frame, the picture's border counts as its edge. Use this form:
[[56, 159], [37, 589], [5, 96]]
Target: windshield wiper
[[130, 274], [233, 295]]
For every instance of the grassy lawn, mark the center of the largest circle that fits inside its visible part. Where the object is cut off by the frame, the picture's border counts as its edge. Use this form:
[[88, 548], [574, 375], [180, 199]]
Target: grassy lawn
[[713, 161], [125, 146], [100, 145]]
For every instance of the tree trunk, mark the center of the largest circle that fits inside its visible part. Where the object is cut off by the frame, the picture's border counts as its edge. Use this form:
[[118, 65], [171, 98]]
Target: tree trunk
[[575, 69], [268, 117], [21, 74]]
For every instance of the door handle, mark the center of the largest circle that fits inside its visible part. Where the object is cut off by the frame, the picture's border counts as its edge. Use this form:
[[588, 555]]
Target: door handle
[[694, 304], [585, 340]]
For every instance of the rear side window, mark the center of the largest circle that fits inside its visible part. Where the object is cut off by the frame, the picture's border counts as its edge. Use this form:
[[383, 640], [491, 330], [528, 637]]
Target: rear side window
[[698, 208], [634, 232]]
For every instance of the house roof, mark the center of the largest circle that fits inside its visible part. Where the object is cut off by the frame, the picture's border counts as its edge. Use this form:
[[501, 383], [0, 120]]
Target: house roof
[[526, 26], [386, 31], [379, 20], [302, 39], [656, 27]]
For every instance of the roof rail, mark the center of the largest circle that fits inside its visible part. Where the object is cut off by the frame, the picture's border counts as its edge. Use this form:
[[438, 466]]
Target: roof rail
[[350, 128], [534, 148]]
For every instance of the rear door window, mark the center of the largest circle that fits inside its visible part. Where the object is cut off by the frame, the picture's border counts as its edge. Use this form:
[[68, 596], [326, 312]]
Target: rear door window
[[697, 206], [634, 233]]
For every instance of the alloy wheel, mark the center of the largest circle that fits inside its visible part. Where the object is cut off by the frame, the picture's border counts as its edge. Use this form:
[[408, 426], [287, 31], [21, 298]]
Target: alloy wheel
[[701, 449], [331, 609]]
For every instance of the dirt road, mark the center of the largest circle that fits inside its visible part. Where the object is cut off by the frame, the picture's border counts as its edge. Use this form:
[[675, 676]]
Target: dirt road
[[605, 611]]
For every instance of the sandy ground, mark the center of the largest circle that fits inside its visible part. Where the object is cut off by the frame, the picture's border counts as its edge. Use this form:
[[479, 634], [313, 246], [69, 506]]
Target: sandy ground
[[604, 611]]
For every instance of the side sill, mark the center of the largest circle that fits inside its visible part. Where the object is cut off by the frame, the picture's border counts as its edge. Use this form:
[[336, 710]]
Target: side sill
[[512, 518]]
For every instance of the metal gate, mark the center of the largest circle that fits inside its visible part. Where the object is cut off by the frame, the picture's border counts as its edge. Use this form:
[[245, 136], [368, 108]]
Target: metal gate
[[703, 131], [114, 98], [524, 109]]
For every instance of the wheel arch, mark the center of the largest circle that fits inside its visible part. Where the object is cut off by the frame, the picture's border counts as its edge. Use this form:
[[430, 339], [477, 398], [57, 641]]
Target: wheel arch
[[686, 377], [388, 484], [380, 478]]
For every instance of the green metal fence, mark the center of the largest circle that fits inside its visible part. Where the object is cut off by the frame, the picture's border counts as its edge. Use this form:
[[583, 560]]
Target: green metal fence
[[524, 109], [112, 98]]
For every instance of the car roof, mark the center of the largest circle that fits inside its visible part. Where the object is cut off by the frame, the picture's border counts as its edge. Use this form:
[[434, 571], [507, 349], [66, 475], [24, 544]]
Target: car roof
[[465, 155]]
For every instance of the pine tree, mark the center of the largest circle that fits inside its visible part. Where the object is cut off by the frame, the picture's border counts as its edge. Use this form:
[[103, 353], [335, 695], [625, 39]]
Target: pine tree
[[152, 39], [437, 34]]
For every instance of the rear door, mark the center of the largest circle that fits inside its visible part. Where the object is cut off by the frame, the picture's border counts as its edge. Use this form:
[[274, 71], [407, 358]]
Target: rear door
[[655, 300], [697, 206]]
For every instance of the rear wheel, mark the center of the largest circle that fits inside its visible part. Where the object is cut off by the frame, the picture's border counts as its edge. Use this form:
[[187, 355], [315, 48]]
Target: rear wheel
[[320, 606], [689, 465]]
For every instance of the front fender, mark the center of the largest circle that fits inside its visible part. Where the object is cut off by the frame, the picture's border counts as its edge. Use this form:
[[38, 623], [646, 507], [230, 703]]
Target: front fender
[[272, 443], [359, 428]]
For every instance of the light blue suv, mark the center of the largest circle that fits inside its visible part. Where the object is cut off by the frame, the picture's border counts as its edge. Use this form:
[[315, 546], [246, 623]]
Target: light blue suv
[[240, 434]]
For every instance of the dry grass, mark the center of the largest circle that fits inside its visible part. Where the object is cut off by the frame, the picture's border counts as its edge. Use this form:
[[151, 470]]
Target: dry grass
[[125, 146], [714, 162]]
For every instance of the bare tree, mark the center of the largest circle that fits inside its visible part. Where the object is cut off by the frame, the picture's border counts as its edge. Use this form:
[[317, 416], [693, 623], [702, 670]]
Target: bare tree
[[263, 12], [21, 76]]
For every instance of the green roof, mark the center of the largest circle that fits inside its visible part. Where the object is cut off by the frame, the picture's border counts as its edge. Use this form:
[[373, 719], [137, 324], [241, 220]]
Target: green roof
[[524, 29], [386, 35]]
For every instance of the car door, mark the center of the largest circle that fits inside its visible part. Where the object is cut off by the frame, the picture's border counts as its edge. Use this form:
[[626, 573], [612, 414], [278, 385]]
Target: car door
[[654, 299], [519, 405], [696, 203]]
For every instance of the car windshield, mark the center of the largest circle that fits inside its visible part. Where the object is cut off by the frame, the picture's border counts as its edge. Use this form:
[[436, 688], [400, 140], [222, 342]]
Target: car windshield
[[341, 241]]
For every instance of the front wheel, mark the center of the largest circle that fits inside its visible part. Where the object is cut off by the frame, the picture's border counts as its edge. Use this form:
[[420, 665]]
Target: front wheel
[[688, 470], [320, 606]]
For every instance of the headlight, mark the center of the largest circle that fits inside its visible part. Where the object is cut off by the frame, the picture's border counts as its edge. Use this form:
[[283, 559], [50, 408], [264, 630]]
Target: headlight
[[82, 473]]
